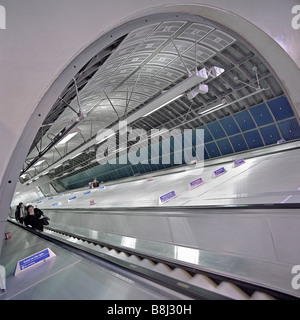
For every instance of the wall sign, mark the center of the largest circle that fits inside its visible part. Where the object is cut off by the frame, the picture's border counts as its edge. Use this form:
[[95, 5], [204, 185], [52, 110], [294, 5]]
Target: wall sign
[[196, 183], [34, 260], [219, 172], [238, 162], [167, 197]]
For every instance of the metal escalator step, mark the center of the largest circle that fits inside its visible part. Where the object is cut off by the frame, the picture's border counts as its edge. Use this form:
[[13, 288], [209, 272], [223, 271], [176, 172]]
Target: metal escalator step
[[162, 268], [96, 247], [204, 282], [74, 240], [257, 295], [124, 256], [113, 252], [147, 263], [134, 259], [232, 291], [224, 288], [63, 236], [89, 245], [181, 274], [104, 250]]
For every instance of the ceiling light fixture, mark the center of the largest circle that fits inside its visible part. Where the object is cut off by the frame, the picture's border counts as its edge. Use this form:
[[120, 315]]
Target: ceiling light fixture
[[224, 103], [69, 136], [213, 107], [105, 137], [177, 97], [202, 89], [40, 162], [78, 154]]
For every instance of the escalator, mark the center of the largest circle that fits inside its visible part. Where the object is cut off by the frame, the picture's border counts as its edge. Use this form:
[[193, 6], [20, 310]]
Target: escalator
[[190, 281]]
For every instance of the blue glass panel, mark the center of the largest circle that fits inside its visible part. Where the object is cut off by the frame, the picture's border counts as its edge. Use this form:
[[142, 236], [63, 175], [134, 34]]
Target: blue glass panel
[[253, 139], [289, 129], [216, 130], [206, 156], [107, 177], [261, 115], [224, 146], [244, 120], [123, 172], [134, 169], [238, 143], [270, 134], [230, 126], [207, 136], [137, 167], [115, 174], [281, 108], [212, 149], [126, 171], [146, 168], [200, 135]]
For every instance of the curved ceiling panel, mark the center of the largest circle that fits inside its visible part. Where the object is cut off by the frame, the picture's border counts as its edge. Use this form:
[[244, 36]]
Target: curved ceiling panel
[[143, 65]]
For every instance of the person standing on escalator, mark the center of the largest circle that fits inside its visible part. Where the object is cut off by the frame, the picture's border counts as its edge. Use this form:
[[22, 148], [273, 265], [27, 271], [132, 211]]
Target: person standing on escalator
[[34, 218], [95, 183], [20, 213]]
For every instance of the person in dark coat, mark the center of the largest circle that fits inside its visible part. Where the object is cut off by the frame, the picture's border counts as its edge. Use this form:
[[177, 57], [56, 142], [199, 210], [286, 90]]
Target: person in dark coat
[[34, 218], [20, 213], [95, 183]]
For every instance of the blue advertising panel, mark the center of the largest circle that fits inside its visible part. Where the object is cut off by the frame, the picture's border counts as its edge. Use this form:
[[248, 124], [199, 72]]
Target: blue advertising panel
[[34, 260], [167, 197], [281, 141], [238, 162], [56, 204], [196, 183], [219, 172]]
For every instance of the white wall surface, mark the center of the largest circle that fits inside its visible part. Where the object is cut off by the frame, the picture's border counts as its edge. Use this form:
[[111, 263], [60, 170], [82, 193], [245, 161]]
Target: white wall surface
[[43, 37]]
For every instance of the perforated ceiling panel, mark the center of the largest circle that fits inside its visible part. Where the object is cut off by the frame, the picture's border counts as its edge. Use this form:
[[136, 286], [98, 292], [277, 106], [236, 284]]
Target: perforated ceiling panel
[[147, 62]]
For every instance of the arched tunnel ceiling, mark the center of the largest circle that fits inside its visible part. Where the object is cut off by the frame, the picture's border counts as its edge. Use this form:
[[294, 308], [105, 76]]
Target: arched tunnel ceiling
[[139, 67]]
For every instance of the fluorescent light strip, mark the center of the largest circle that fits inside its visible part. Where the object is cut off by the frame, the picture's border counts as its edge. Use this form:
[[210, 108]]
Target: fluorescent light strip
[[111, 135], [78, 154], [213, 108], [147, 114], [220, 106], [67, 138], [38, 163]]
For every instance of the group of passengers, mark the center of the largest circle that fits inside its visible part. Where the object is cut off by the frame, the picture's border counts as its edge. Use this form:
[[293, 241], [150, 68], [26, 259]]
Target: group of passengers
[[31, 217], [94, 184]]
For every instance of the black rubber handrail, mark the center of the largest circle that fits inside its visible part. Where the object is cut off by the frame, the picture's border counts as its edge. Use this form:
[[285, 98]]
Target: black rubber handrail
[[267, 206]]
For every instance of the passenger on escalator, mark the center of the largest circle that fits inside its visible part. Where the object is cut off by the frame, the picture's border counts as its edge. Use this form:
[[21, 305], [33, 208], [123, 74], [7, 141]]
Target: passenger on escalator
[[20, 213], [34, 218], [95, 183]]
